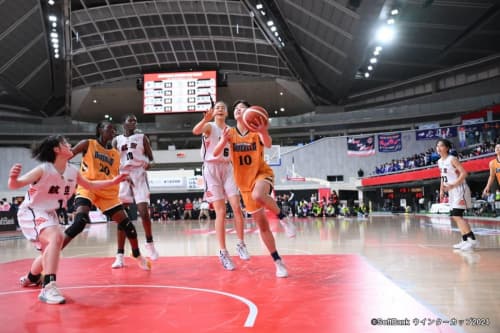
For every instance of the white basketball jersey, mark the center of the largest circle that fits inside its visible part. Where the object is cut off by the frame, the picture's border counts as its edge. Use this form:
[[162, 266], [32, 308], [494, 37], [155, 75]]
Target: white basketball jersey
[[52, 190], [131, 150], [449, 174], [208, 145]]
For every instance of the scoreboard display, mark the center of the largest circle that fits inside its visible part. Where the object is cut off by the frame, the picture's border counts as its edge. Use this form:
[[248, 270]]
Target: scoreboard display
[[179, 92]]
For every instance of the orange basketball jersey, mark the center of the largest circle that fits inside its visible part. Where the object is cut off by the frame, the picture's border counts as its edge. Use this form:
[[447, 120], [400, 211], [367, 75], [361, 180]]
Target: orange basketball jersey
[[496, 165], [99, 163], [247, 154]]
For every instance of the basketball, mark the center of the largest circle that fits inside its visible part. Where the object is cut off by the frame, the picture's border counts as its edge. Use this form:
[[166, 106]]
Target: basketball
[[252, 115]]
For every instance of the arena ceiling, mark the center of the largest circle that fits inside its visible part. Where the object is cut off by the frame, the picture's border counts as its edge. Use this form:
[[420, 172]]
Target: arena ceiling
[[106, 45]]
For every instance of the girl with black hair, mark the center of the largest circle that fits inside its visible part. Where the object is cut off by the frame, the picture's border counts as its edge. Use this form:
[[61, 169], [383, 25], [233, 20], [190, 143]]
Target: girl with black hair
[[453, 177], [51, 184]]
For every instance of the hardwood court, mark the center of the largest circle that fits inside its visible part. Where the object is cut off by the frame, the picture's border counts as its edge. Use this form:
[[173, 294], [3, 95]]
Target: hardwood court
[[345, 276]]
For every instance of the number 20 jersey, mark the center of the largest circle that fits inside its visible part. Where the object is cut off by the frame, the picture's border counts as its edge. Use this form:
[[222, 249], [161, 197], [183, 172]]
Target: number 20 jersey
[[100, 163]]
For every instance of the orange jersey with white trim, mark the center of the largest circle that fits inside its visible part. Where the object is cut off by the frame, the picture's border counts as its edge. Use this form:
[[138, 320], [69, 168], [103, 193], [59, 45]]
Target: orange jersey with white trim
[[247, 154]]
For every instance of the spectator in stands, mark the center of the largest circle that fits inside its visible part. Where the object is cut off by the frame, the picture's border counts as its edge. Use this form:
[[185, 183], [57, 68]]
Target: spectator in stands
[[164, 209], [188, 210], [204, 210], [330, 210]]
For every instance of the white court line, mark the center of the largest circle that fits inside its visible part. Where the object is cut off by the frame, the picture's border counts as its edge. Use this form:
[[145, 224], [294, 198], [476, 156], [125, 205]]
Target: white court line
[[295, 250], [252, 308]]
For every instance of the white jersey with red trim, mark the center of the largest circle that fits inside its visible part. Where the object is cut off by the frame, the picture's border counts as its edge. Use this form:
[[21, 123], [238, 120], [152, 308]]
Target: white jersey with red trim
[[131, 150], [208, 145], [52, 190]]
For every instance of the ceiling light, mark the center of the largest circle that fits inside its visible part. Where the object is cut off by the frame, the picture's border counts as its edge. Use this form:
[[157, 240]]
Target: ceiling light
[[273, 28], [373, 60], [270, 23], [394, 12], [282, 44], [263, 13], [275, 111], [370, 67], [378, 48], [56, 56], [376, 53], [281, 93], [54, 24], [54, 34], [276, 34], [282, 109], [51, 2], [385, 34], [390, 21], [52, 18], [259, 6], [367, 75]]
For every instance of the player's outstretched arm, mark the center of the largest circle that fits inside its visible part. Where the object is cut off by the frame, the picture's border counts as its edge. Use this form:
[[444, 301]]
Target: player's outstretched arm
[[262, 128], [81, 147], [98, 184], [202, 127], [16, 181]]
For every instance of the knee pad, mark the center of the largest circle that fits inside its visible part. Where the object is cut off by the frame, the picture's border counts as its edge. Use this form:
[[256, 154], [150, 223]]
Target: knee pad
[[128, 227], [79, 223]]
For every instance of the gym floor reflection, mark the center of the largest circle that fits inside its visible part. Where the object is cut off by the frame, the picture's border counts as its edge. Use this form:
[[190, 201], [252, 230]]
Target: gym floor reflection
[[414, 252]]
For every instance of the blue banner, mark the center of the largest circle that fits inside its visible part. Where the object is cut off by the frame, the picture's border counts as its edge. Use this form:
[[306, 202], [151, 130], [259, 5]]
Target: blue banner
[[389, 143], [436, 133]]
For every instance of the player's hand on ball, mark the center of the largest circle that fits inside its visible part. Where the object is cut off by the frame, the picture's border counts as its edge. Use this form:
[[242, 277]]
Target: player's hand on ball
[[259, 125]]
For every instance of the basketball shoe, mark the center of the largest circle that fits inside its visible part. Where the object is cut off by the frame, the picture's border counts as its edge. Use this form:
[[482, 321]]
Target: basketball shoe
[[288, 225], [241, 248], [225, 260], [143, 263], [151, 252], [119, 261], [24, 281], [51, 295], [281, 270], [469, 245]]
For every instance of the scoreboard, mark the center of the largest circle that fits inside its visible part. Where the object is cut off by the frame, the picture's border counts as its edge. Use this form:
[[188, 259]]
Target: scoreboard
[[178, 92]]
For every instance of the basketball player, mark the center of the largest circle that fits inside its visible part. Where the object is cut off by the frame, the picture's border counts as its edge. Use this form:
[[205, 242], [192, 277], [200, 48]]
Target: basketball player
[[253, 176], [494, 171], [136, 156], [219, 181], [51, 184], [453, 177]]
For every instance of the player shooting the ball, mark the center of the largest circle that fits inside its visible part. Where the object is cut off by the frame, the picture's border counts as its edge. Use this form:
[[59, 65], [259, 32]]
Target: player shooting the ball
[[253, 176]]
